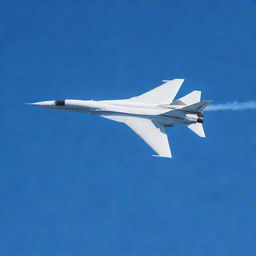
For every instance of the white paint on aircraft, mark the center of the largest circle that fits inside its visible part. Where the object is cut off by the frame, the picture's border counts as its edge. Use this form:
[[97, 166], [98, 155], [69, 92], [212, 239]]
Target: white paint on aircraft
[[148, 114]]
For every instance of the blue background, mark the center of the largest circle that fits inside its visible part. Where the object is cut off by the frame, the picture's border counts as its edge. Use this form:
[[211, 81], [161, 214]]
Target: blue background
[[74, 184]]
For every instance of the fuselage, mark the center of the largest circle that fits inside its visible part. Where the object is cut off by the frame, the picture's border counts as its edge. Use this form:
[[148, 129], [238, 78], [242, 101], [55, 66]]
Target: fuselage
[[167, 114]]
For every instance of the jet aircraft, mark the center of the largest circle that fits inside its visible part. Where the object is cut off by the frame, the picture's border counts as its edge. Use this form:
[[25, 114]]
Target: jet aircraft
[[148, 114]]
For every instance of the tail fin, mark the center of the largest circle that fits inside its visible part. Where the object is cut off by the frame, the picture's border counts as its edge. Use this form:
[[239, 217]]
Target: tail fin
[[189, 99], [197, 128], [198, 107]]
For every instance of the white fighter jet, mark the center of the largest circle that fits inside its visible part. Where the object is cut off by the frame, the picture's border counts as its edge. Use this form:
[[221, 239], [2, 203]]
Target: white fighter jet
[[147, 114]]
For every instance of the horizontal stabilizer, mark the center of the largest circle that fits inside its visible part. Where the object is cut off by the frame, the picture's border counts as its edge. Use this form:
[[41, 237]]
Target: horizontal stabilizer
[[190, 98], [197, 128]]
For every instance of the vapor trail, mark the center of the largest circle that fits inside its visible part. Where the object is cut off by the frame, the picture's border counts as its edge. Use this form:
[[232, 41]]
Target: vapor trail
[[232, 106]]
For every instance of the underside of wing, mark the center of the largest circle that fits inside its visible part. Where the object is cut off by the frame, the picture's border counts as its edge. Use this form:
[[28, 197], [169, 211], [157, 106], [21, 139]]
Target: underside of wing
[[163, 94], [154, 134]]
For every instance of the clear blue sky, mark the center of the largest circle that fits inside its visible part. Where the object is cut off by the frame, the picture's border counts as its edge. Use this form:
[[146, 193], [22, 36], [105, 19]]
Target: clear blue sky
[[74, 184]]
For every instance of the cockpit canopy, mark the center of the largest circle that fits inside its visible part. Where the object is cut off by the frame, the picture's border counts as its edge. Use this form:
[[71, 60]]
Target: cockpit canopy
[[59, 102]]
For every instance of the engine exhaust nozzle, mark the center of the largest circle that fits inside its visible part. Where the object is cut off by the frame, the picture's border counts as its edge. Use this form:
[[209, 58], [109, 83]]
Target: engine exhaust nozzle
[[200, 118]]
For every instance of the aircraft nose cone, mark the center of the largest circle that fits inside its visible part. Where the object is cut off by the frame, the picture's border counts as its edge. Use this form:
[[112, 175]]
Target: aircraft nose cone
[[48, 103]]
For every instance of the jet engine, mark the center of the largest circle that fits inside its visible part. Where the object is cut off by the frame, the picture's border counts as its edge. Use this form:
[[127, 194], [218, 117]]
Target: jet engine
[[200, 117], [195, 117]]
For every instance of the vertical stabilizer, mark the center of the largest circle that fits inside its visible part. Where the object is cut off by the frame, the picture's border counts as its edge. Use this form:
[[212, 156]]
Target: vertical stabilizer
[[197, 128], [198, 107]]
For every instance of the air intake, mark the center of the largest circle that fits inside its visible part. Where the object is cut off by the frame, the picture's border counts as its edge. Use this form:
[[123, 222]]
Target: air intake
[[59, 102]]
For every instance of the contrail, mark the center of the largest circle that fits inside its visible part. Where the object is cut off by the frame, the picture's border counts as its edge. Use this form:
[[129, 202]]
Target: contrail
[[232, 106]]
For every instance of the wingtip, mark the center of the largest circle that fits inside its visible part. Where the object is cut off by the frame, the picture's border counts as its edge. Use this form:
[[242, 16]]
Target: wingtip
[[162, 156], [166, 81]]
